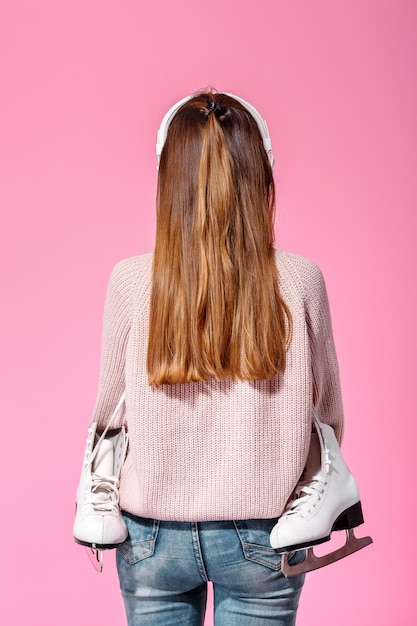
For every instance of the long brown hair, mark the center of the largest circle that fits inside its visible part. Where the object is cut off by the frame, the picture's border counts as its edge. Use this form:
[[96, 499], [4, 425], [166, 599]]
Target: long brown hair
[[216, 310]]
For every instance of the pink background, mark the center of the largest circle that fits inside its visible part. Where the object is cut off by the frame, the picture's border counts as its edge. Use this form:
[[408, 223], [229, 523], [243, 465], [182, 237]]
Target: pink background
[[84, 85]]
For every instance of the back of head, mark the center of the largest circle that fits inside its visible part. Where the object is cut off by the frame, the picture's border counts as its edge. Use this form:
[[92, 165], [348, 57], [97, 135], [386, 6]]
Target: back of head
[[214, 273]]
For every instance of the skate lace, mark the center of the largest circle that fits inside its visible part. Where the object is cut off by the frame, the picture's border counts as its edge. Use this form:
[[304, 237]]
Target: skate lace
[[308, 494], [103, 493]]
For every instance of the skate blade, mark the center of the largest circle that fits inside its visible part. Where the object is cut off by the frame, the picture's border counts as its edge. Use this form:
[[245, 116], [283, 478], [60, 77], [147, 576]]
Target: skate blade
[[312, 562], [96, 557]]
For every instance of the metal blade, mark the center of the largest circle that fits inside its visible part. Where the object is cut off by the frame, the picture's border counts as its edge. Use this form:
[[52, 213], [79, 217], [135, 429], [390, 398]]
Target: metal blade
[[312, 562], [96, 558]]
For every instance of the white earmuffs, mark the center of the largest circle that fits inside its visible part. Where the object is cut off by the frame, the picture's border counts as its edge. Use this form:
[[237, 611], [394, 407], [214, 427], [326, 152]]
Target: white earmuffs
[[261, 123]]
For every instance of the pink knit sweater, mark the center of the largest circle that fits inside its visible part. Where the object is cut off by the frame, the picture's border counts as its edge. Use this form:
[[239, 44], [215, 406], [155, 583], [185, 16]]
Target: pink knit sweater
[[216, 450]]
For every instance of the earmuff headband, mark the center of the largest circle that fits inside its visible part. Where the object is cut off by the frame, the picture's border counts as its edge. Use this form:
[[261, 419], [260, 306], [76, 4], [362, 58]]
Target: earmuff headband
[[261, 123]]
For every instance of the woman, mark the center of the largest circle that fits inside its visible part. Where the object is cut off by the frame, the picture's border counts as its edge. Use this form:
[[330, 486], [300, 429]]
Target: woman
[[223, 345]]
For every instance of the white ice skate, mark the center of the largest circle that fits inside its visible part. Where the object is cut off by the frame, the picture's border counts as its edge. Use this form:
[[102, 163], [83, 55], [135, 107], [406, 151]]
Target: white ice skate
[[325, 499], [98, 523]]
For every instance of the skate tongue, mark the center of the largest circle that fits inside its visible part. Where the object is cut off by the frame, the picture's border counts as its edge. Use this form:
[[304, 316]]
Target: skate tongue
[[313, 463], [104, 461]]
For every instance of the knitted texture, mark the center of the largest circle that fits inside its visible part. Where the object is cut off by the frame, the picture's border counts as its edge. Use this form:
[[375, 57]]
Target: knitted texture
[[216, 450]]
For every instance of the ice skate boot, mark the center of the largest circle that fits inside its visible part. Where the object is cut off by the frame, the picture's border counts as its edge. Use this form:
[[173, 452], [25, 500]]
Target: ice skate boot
[[98, 522], [325, 499]]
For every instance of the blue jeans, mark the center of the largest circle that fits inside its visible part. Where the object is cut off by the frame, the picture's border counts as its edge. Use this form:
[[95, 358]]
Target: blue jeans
[[164, 568]]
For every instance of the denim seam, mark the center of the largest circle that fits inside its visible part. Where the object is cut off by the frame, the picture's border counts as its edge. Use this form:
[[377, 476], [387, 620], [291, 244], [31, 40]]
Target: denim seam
[[197, 552]]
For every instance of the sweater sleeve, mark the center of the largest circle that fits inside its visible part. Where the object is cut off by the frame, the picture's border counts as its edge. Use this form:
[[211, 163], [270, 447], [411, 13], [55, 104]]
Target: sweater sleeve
[[116, 326], [327, 397]]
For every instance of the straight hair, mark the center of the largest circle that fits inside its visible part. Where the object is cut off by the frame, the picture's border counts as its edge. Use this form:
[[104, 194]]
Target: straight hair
[[216, 311]]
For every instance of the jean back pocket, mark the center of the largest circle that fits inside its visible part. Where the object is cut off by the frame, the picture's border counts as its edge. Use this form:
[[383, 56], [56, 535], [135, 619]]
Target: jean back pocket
[[140, 543]]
